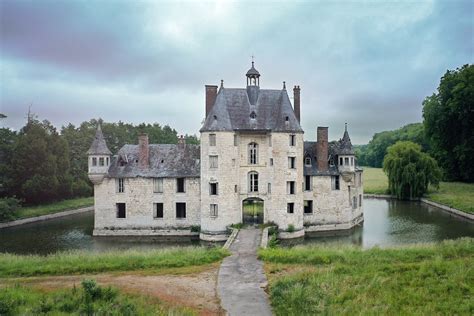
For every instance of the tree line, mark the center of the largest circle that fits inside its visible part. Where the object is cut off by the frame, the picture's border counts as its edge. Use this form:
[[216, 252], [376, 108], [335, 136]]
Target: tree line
[[446, 133], [40, 163]]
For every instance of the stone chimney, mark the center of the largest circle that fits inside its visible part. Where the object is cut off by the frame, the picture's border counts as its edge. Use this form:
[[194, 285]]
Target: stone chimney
[[322, 149], [143, 151], [181, 141], [211, 94], [296, 102]]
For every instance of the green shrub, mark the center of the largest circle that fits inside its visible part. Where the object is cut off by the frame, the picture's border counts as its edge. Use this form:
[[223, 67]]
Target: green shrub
[[291, 228], [8, 209], [195, 228]]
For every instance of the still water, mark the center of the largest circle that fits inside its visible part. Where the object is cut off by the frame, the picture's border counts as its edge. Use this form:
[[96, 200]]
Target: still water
[[393, 222], [387, 223]]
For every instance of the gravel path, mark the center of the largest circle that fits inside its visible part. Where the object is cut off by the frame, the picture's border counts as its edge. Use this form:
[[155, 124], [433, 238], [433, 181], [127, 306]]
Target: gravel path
[[241, 280]]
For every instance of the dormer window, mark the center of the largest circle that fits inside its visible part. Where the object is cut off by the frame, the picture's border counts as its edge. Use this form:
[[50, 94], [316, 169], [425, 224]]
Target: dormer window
[[253, 115], [307, 161], [94, 161]]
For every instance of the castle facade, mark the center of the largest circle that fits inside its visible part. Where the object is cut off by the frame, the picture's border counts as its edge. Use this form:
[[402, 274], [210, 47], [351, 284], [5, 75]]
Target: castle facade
[[252, 166]]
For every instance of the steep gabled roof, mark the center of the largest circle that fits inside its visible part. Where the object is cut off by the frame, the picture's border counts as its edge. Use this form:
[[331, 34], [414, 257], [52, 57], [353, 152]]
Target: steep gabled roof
[[233, 111], [99, 146], [166, 160], [345, 145]]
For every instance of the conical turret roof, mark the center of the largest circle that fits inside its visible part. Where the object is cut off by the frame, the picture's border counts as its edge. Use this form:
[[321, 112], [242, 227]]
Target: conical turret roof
[[345, 145], [99, 146]]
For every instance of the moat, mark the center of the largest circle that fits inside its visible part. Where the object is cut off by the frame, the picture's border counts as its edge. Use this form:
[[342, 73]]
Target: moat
[[387, 223]]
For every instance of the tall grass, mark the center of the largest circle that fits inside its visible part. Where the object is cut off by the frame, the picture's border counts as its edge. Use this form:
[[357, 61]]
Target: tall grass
[[375, 181], [80, 262], [88, 299], [45, 209], [414, 280]]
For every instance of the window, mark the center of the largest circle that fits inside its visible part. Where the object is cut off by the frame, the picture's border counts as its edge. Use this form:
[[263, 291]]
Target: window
[[157, 185], [340, 161], [308, 206], [180, 210], [101, 161], [290, 186], [335, 182], [120, 185], [270, 140], [292, 140], [271, 161], [269, 188], [290, 208], [121, 210], [352, 161], [292, 162], [214, 210], [354, 202], [235, 188], [307, 183], [213, 162], [158, 210], [253, 153], [107, 161], [212, 139], [360, 200], [236, 140], [307, 161], [94, 161], [180, 185], [213, 188], [346, 161], [253, 182]]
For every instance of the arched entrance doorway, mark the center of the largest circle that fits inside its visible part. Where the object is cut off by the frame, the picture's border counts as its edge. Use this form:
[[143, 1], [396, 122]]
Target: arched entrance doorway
[[252, 211]]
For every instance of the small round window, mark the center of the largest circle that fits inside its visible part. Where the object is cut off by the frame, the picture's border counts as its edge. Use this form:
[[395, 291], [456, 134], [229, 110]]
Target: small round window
[[253, 115]]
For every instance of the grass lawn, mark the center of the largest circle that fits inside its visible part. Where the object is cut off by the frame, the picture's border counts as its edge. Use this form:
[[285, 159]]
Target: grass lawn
[[375, 181], [87, 299], [82, 262], [413, 280], [44, 209], [454, 194]]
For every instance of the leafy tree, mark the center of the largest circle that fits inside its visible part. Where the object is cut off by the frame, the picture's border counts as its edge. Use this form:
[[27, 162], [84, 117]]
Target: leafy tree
[[40, 164], [373, 154], [409, 170], [449, 123]]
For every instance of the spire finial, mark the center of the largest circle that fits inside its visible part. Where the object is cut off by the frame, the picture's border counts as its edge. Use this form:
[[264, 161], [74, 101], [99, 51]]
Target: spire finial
[[284, 85], [253, 57], [222, 83], [345, 128]]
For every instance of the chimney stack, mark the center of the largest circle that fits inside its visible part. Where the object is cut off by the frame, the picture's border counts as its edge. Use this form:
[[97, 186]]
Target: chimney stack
[[322, 149], [296, 102], [143, 151], [211, 94], [181, 141]]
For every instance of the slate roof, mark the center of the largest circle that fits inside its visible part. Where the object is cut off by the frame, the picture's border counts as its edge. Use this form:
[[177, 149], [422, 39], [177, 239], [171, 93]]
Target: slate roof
[[345, 145], [233, 109], [166, 160], [99, 147], [252, 71], [310, 150]]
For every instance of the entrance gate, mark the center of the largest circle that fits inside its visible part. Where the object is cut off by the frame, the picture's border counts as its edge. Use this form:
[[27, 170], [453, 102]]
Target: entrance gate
[[252, 210]]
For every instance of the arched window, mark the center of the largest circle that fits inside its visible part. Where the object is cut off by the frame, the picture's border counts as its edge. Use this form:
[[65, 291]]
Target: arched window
[[253, 153], [307, 161], [253, 181]]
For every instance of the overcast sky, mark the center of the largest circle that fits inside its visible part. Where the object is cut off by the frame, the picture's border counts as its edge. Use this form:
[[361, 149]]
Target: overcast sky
[[361, 62]]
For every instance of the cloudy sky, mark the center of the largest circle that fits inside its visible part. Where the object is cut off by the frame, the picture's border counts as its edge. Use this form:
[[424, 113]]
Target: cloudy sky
[[361, 62]]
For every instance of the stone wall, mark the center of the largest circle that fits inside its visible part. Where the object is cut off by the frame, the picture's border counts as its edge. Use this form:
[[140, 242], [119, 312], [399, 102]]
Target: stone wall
[[139, 199]]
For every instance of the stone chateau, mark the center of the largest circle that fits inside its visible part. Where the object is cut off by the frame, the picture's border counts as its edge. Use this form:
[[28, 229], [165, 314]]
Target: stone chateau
[[252, 165]]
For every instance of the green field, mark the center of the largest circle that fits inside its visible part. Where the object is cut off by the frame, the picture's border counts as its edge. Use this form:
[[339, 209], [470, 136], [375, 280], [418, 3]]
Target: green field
[[82, 262], [87, 299], [45, 209], [454, 194], [435, 279]]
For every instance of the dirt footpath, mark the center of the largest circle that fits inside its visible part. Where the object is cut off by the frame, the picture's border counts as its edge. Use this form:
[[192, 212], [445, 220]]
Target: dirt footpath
[[196, 291]]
